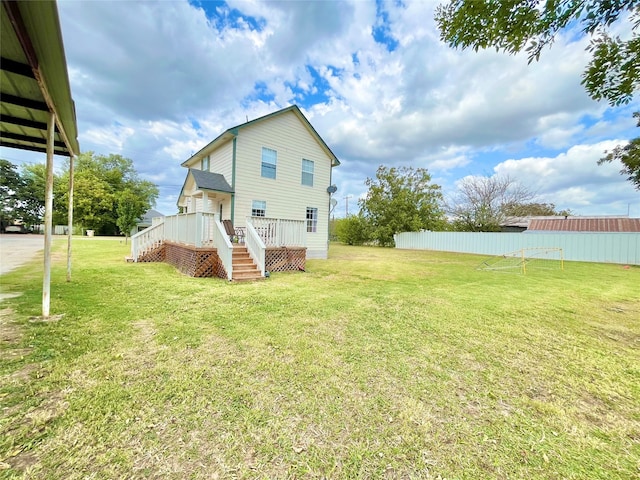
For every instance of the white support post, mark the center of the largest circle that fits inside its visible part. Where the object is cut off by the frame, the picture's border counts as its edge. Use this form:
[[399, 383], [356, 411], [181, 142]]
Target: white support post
[[70, 219], [198, 229], [48, 217]]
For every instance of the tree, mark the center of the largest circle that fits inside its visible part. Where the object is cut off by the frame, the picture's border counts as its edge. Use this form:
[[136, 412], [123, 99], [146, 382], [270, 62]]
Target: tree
[[481, 202], [629, 156], [99, 184], [32, 194], [131, 207], [532, 209], [11, 184], [401, 200], [613, 74], [353, 230]]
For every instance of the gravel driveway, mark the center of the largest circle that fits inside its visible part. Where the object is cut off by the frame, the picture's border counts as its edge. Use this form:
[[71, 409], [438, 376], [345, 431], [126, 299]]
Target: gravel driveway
[[16, 249]]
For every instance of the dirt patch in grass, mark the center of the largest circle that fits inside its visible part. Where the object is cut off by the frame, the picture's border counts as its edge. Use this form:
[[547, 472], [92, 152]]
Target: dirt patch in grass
[[10, 333]]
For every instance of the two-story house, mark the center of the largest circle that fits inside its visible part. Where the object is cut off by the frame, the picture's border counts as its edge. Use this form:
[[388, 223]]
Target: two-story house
[[269, 177]]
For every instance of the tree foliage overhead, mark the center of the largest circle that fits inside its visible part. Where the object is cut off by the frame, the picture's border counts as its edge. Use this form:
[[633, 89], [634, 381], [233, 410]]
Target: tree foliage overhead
[[629, 156], [613, 74], [401, 200]]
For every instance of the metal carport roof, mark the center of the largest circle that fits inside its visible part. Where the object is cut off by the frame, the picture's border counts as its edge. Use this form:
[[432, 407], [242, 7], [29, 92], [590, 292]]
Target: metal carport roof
[[34, 80], [37, 112]]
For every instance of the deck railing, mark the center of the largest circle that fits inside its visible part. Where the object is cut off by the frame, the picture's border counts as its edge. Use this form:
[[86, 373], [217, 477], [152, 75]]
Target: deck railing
[[146, 240], [223, 246], [255, 247], [190, 228], [278, 232]]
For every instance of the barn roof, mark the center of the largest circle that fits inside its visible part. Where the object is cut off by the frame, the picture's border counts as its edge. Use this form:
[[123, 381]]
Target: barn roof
[[586, 224]]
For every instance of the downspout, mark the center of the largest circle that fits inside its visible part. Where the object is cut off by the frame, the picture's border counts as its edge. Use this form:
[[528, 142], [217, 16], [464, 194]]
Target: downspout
[[233, 180]]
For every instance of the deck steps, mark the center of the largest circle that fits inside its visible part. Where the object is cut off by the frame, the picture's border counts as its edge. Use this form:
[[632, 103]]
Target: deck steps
[[243, 267]]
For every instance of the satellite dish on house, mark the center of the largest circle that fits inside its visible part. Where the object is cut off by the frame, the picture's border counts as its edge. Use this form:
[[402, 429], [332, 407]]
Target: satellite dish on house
[[332, 189], [334, 202]]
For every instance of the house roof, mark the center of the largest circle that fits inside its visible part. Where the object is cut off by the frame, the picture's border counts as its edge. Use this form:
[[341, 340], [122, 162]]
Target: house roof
[[232, 132], [586, 224], [149, 215], [34, 79]]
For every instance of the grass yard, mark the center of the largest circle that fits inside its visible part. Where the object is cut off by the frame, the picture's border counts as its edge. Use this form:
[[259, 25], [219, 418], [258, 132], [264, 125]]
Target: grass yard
[[376, 363]]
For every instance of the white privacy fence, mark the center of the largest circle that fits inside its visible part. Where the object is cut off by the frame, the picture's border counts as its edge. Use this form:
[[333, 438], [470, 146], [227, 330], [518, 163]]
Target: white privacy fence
[[622, 248]]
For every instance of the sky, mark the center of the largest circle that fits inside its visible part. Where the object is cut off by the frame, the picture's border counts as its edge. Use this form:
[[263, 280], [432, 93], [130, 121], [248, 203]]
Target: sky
[[157, 81]]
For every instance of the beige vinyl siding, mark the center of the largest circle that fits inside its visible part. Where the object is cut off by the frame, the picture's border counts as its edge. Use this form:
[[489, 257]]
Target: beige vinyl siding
[[222, 161], [285, 195]]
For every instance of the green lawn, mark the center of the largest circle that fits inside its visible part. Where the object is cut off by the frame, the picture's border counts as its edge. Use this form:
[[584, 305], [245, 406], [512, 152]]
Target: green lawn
[[376, 363]]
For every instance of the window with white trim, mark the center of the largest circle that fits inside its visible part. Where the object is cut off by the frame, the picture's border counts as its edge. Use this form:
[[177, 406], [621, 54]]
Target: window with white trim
[[205, 163], [307, 172], [258, 208], [269, 161], [312, 219]]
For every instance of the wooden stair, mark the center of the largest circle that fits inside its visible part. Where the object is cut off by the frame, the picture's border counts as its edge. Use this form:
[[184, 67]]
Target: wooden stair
[[243, 267]]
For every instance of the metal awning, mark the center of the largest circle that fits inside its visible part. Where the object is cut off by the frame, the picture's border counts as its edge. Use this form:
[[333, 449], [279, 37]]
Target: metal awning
[[34, 80], [36, 109]]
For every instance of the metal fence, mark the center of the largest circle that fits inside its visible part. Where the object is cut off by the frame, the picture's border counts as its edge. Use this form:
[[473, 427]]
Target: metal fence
[[622, 248]]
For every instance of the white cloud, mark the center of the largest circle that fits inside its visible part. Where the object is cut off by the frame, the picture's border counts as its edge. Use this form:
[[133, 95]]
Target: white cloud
[[156, 81], [574, 180]]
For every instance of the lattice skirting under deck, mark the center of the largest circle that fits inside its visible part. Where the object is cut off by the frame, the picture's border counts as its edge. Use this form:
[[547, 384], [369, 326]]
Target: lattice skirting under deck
[[204, 262], [156, 254], [285, 259], [193, 261]]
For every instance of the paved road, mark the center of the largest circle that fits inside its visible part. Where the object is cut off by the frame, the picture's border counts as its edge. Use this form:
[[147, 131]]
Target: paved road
[[16, 249]]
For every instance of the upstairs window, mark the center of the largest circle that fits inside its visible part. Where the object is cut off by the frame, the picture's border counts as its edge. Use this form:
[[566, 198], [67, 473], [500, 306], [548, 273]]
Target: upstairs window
[[307, 172], [312, 219], [269, 160], [205, 163], [258, 208]]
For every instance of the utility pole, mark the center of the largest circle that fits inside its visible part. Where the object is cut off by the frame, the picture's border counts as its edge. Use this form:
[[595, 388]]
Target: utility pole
[[346, 205]]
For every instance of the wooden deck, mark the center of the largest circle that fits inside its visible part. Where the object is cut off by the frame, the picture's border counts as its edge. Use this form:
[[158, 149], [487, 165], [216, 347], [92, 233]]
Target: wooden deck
[[204, 261]]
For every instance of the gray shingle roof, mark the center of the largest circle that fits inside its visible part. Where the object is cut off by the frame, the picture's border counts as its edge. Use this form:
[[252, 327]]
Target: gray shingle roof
[[210, 181]]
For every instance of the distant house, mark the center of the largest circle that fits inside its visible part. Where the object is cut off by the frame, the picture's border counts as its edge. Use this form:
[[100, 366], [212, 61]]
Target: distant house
[[265, 186], [147, 220]]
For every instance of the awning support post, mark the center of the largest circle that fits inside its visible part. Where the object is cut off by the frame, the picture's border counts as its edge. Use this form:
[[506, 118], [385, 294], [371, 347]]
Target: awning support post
[[70, 219], [48, 217]]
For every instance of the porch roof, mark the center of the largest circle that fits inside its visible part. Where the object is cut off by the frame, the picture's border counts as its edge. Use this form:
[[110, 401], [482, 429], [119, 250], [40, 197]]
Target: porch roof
[[212, 182]]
